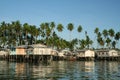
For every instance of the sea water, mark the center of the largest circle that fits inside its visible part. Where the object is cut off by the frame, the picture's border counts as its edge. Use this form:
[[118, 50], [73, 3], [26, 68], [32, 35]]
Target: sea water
[[60, 70]]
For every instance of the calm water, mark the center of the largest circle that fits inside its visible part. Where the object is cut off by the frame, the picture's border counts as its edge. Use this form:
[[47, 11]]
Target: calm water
[[60, 70]]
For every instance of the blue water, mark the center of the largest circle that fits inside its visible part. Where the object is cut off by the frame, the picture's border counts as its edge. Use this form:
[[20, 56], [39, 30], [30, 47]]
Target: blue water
[[60, 70]]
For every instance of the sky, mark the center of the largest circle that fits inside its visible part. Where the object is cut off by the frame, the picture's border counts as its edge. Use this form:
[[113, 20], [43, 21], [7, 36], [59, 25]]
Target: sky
[[104, 14]]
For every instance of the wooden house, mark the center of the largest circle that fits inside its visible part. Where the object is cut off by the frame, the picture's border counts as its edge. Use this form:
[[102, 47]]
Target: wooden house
[[4, 52], [113, 53], [66, 55], [24, 50], [41, 50], [54, 52], [107, 54], [85, 55]]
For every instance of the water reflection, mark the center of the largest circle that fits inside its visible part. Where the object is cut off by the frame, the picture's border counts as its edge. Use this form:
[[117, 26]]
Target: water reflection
[[61, 70]]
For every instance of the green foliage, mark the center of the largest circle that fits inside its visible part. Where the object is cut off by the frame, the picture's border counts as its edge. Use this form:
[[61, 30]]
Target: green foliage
[[15, 34]]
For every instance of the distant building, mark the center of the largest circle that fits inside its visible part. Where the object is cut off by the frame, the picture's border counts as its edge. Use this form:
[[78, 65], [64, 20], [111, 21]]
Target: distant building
[[107, 53], [85, 55], [4, 52], [24, 50]]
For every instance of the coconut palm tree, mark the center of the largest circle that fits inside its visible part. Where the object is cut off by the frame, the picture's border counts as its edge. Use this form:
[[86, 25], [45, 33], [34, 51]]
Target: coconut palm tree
[[79, 29], [4, 33], [70, 27], [105, 34], [26, 30], [42, 30], [114, 44], [52, 26], [108, 41], [96, 31], [37, 33], [111, 34], [88, 41], [117, 37], [60, 27], [72, 44], [100, 41], [18, 31], [82, 43], [47, 33], [32, 33]]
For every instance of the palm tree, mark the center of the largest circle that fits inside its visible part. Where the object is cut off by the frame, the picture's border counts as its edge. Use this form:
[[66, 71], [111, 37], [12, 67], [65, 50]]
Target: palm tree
[[100, 41], [32, 33], [105, 34], [42, 30], [70, 27], [60, 27], [4, 33], [88, 41], [79, 29], [26, 30], [82, 43], [37, 32], [111, 34], [117, 37], [52, 26], [96, 31], [47, 32], [114, 44], [108, 40], [18, 31]]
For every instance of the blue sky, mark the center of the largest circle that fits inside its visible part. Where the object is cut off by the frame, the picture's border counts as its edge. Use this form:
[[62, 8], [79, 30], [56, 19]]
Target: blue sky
[[104, 14]]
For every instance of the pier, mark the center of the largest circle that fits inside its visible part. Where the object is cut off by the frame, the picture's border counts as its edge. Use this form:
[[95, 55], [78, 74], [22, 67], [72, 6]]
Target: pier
[[28, 58]]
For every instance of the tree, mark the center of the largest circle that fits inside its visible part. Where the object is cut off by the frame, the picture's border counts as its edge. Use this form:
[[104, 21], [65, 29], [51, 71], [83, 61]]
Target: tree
[[42, 30], [18, 31], [79, 28], [47, 32], [3, 33], [82, 43], [72, 44], [96, 31], [117, 37], [60, 27], [26, 30], [105, 34], [34, 32], [100, 41], [108, 40], [113, 44], [88, 41], [70, 27], [111, 32], [52, 26]]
